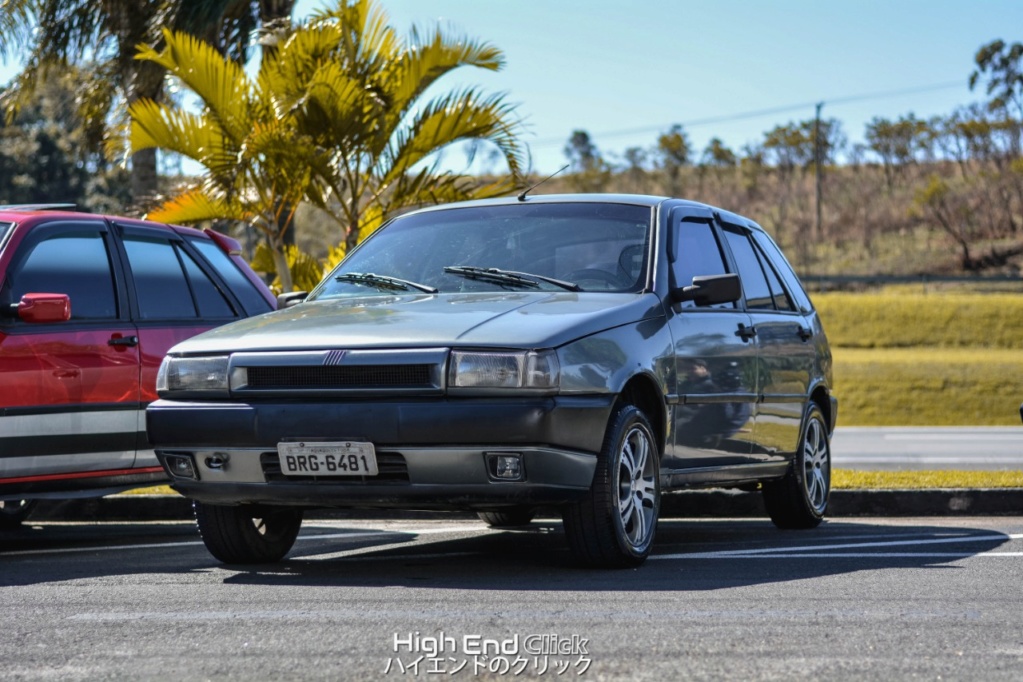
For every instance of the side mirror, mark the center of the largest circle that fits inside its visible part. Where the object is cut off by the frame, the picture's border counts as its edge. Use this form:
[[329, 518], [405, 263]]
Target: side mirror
[[710, 290], [291, 298], [44, 308]]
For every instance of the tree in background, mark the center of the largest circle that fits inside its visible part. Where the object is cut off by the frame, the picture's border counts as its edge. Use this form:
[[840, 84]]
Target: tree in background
[[101, 39], [896, 142], [45, 156], [673, 153], [1000, 68], [590, 173], [336, 117]]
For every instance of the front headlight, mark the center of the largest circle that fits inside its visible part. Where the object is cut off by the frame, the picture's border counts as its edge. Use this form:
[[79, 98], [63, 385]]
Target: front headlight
[[504, 369], [202, 375]]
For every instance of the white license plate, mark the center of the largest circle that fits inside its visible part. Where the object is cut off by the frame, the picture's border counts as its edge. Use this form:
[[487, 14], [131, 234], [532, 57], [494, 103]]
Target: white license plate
[[317, 458]]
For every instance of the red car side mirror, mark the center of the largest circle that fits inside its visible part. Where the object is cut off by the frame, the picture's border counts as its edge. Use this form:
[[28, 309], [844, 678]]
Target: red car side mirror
[[45, 308]]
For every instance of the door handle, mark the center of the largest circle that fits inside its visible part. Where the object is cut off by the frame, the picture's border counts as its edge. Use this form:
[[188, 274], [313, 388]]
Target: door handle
[[123, 341], [746, 333], [805, 334]]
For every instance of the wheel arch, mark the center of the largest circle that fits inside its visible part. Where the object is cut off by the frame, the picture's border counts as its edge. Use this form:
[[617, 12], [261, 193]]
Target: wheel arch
[[822, 398], [644, 392]]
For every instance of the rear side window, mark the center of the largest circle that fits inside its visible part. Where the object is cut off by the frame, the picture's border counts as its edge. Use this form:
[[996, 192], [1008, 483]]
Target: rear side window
[[754, 282], [5, 232], [169, 285], [212, 302], [76, 264], [699, 254], [781, 299], [243, 288], [781, 265]]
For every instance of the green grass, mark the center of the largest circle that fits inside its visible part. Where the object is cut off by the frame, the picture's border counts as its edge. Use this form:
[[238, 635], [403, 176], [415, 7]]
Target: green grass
[[846, 479], [928, 386], [901, 318]]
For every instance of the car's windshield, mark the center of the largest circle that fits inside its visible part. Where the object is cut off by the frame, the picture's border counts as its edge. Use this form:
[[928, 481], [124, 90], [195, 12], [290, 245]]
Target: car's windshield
[[584, 246]]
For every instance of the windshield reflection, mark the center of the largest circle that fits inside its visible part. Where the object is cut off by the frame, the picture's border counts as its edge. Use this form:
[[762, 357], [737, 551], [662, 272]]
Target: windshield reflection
[[577, 246]]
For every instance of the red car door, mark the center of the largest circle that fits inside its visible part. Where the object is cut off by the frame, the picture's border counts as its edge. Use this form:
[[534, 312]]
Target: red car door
[[69, 390]]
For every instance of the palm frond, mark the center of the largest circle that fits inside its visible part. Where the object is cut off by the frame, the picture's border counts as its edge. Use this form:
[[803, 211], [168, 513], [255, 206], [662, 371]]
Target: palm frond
[[193, 136], [16, 19], [427, 187], [196, 205], [423, 62], [296, 61], [459, 116], [219, 81]]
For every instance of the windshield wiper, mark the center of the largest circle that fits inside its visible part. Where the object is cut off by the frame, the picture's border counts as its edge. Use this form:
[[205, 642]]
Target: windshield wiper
[[384, 282], [497, 276]]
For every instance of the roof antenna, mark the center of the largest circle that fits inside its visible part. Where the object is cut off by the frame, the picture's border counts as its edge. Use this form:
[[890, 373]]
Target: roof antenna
[[522, 197]]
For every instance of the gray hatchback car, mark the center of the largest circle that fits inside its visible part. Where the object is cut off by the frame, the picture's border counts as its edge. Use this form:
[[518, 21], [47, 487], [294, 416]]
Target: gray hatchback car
[[583, 352]]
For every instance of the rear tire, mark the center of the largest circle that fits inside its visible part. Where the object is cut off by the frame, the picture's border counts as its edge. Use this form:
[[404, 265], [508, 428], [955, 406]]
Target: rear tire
[[799, 500], [507, 518], [613, 526], [247, 534], [14, 512]]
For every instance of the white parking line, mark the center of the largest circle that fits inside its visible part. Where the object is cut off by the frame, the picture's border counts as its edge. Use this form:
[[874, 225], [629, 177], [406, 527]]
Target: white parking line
[[813, 551]]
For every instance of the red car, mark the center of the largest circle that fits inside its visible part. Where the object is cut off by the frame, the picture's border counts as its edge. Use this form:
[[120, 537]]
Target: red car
[[89, 306]]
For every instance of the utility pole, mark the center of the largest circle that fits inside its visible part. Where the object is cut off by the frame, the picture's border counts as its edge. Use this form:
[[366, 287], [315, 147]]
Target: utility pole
[[818, 161]]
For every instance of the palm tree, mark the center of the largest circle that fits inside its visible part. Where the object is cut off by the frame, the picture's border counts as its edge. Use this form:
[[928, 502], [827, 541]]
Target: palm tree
[[336, 116], [103, 36]]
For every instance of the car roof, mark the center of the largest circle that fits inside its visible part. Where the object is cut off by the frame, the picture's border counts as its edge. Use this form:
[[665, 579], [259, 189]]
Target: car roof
[[648, 200], [36, 213]]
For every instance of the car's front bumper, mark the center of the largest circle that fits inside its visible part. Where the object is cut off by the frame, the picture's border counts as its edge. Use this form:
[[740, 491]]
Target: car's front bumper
[[432, 453]]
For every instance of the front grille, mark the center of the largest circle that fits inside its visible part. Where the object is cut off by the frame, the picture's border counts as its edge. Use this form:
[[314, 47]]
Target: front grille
[[391, 465], [349, 377]]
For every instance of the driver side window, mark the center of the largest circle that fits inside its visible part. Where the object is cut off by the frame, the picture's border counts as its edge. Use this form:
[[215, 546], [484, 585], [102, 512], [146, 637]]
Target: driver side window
[[699, 254]]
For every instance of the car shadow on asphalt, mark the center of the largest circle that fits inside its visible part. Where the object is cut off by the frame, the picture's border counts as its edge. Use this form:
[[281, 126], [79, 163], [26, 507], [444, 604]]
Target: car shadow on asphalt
[[689, 554]]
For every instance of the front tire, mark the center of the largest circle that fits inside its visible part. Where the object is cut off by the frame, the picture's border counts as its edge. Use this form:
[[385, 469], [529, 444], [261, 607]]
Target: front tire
[[613, 526], [247, 534], [799, 500]]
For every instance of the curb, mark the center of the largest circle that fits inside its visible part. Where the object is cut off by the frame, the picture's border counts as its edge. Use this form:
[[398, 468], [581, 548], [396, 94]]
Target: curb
[[687, 504]]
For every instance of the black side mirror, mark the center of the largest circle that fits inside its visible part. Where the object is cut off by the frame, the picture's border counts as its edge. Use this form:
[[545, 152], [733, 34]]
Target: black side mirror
[[291, 298], [710, 290]]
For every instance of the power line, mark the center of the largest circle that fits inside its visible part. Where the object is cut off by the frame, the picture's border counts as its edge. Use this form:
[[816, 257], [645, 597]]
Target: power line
[[760, 112]]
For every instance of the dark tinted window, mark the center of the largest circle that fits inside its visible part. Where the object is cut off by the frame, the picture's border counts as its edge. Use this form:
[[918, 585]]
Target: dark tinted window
[[699, 254], [5, 230], [754, 283], [74, 264], [246, 292], [212, 302], [784, 270], [781, 299], [599, 246], [160, 284]]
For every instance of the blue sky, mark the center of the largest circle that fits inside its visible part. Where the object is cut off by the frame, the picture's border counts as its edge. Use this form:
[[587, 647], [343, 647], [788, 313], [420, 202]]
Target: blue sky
[[614, 66]]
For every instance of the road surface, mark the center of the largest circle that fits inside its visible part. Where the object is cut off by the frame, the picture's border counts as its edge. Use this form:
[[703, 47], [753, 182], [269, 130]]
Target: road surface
[[908, 448]]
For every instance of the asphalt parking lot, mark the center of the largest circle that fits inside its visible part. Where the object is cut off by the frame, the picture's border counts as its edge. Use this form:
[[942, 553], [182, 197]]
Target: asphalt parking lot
[[869, 598]]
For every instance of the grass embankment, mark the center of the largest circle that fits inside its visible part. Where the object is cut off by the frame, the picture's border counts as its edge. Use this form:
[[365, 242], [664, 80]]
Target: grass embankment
[[935, 359], [846, 479]]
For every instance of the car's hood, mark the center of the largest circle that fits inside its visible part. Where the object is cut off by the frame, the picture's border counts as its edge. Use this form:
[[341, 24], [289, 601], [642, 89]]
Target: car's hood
[[503, 319]]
